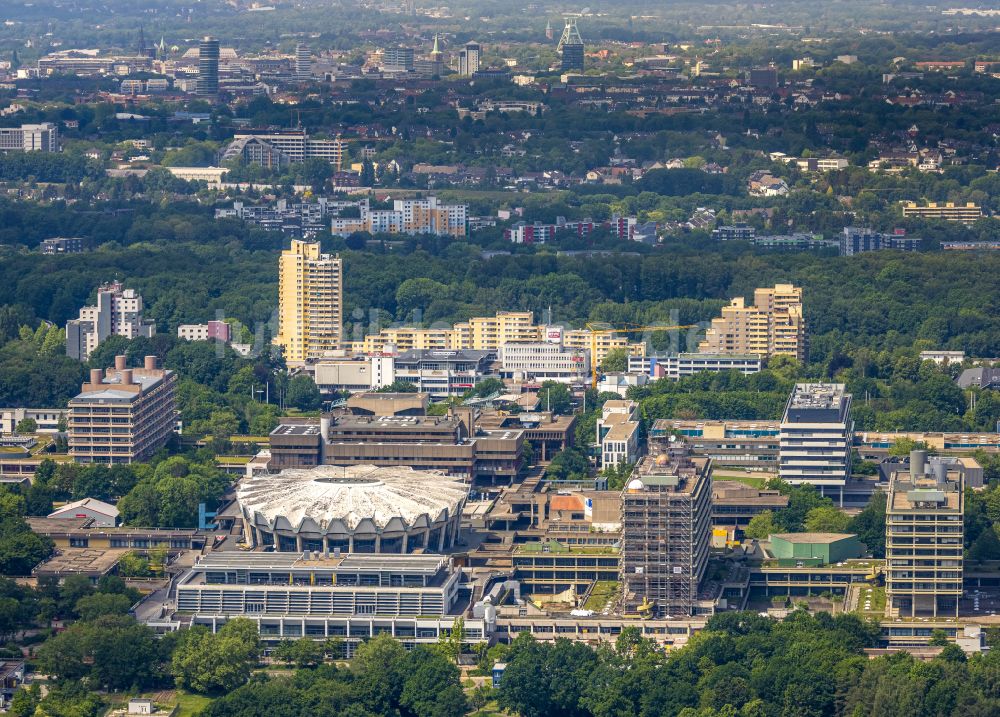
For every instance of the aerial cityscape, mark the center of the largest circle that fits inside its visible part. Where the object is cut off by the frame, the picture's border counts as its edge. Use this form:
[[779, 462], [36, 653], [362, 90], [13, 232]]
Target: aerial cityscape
[[384, 358]]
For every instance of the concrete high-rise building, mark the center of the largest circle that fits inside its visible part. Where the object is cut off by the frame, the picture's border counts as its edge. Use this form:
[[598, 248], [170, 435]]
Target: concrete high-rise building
[[42, 137], [310, 301], [468, 59], [303, 62], [208, 67], [816, 435], [666, 532], [122, 415], [397, 59], [772, 326], [571, 46], [924, 535], [118, 312]]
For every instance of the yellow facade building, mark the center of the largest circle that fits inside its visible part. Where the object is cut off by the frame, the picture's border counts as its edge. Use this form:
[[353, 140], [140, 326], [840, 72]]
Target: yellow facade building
[[772, 326], [968, 213], [490, 333], [310, 302]]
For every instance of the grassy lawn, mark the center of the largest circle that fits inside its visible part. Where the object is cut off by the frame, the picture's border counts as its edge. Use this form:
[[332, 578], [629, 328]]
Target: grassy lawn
[[877, 599], [553, 546], [746, 480], [599, 596], [189, 705]]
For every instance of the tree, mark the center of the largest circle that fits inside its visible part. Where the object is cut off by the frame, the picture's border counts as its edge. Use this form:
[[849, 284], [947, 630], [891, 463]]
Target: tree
[[306, 652], [110, 652], [303, 393], [26, 426], [432, 687], [216, 662], [20, 549], [556, 397], [827, 519], [398, 386], [367, 174], [869, 525], [615, 361], [986, 546], [91, 607], [380, 673], [761, 526], [903, 445]]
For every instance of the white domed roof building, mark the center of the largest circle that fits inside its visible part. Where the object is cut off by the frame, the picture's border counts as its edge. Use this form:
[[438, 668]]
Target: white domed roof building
[[356, 509]]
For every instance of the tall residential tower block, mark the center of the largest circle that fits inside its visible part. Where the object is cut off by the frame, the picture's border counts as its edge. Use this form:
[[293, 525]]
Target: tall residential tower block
[[310, 301]]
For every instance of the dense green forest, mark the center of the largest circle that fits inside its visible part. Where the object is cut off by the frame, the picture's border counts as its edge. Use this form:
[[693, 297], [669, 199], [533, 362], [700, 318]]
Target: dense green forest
[[867, 315]]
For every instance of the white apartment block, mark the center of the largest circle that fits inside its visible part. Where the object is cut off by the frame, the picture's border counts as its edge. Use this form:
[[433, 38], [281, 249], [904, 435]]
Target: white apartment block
[[618, 433], [545, 362], [118, 312]]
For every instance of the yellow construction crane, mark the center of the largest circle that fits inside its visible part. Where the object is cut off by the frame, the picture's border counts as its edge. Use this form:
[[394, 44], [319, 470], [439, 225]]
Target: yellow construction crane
[[597, 329]]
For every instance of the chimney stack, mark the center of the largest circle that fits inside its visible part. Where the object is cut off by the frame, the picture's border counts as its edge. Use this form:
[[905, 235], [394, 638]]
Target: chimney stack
[[125, 377], [120, 363], [150, 363], [96, 375]]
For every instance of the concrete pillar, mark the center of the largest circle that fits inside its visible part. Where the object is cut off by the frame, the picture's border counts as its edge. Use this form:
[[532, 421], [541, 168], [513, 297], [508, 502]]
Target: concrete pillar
[[402, 549], [427, 538], [378, 542], [444, 530], [298, 543], [350, 543]]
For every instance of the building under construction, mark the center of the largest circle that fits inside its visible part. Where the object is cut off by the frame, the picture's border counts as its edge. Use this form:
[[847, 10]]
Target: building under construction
[[666, 530]]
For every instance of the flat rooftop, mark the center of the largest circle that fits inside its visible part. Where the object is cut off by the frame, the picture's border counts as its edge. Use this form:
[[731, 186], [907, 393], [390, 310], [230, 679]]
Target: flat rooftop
[[812, 538], [81, 561], [817, 395], [296, 429], [924, 493], [351, 562]]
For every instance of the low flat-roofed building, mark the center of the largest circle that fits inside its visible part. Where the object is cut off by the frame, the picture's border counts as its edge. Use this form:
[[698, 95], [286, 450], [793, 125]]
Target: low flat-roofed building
[[814, 548], [46, 419], [388, 404], [734, 504], [102, 514], [354, 374], [452, 443], [89, 562], [415, 598], [875, 445], [444, 373], [741, 445], [967, 213], [11, 680], [84, 533], [546, 432]]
